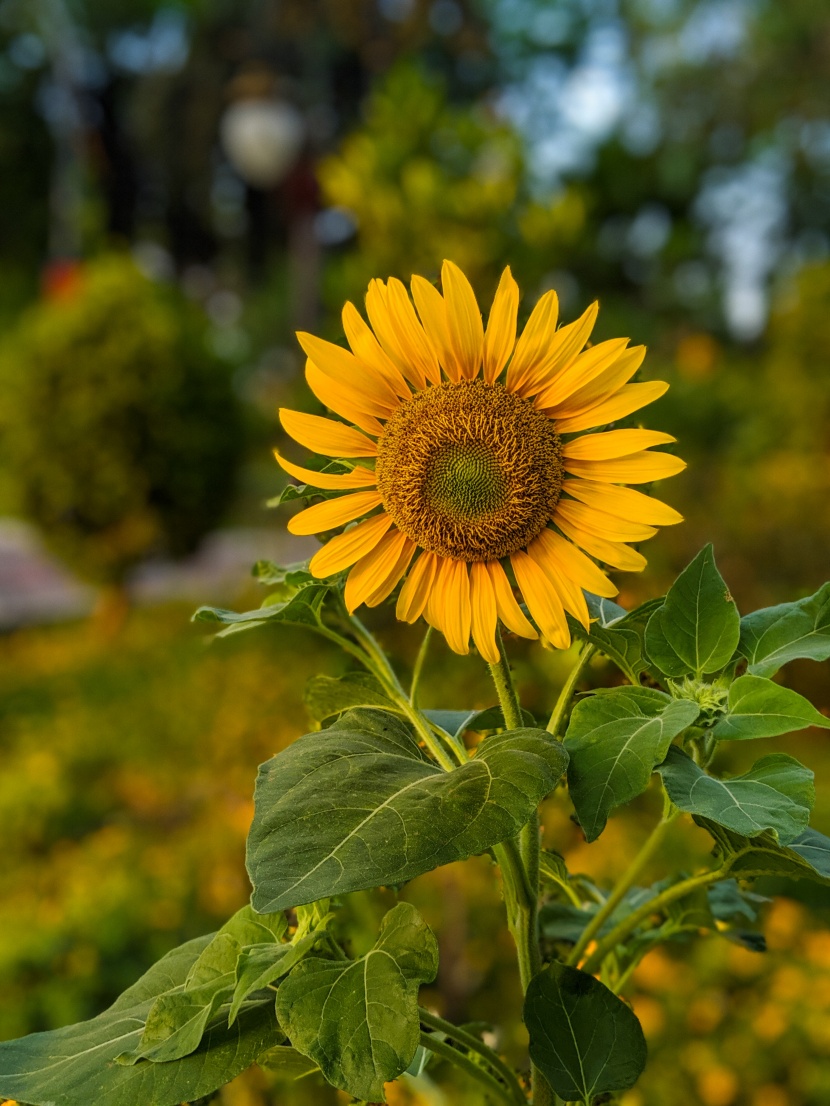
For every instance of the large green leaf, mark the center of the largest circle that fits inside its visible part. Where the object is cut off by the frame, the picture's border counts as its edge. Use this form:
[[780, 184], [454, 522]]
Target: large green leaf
[[615, 739], [359, 805], [585, 1040], [760, 708], [775, 635], [300, 609], [75, 1066], [618, 633], [776, 794], [258, 966], [358, 1020], [807, 857], [697, 628], [326, 696]]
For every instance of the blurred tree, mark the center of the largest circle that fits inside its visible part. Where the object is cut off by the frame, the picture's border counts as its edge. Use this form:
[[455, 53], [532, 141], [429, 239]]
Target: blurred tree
[[119, 427], [424, 179]]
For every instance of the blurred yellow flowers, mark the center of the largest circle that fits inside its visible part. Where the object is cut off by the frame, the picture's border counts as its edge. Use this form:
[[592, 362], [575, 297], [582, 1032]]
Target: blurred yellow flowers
[[477, 478]]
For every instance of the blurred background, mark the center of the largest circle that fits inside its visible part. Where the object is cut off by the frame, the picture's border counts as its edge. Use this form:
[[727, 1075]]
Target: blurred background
[[184, 184]]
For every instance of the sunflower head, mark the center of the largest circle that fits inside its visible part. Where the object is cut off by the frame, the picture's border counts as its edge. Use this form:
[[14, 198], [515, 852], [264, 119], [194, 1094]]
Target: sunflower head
[[476, 479]]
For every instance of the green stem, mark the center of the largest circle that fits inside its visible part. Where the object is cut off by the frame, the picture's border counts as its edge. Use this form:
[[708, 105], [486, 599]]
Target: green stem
[[519, 863], [419, 667], [475, 1045], [626, 881], [677, 891], [548, 872], [475, 1071], [566, 694]]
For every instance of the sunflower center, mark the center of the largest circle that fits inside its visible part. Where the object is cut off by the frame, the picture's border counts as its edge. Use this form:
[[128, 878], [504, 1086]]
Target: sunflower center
[[470, 470]]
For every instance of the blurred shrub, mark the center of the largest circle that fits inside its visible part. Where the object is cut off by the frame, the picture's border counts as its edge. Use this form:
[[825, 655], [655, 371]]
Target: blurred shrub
[[425, 179], [119, 428]]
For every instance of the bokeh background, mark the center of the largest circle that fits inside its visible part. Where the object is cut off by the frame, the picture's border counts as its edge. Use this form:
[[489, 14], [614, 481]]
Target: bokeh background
[[184, 184]]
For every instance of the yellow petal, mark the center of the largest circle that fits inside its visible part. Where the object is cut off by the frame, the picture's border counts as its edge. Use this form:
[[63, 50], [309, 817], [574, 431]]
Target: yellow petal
[[623, 502], [610, 553], [483, 612], [344, 549], [413, 342], [367, 348], [638, 468], [333, 513], [359, 477], [463, 320], [580, 373], [628, 399], [372, 573], [509, 611], [613, 443], [387, 586], [601, 524], [371, 391], [341, 400], [449, 607], [570, 593], [605, 384], [534, 343], [417, 589], [331, 439], [542, 600], [562, 351], [433, 312], [500, 336], [573, 563], [377, 308]]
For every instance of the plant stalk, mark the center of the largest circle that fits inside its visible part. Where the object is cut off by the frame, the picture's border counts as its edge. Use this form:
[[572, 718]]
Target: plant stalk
[[557, 718], [419, 667], [473, 1044], [623, 884], [440, 1047]]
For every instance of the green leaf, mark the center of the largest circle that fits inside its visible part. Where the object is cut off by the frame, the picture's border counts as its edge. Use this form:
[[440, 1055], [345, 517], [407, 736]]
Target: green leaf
[[457, 722], [359, 805], [75, 1066], [616, 737], [697, 628], [776, 794], [261, 965], [618, 634], [286, 1063], [301, 609], [760, 708], [775, 635], [326, 696], [271, 575], [584, 1039], [358, 1020], [807, 857]]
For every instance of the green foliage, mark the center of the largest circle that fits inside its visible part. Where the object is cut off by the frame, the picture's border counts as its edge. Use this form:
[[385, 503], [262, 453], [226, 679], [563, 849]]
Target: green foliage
[[775, 635], [777, 794], [615, 739], [119, 427], [358, 1020], [405, 816], [586, 1041], [66, 1067], [697, 628], [760, 708]]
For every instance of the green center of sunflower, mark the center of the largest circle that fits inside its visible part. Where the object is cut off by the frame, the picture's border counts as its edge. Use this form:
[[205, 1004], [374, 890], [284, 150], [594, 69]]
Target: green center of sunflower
[[470, 470]]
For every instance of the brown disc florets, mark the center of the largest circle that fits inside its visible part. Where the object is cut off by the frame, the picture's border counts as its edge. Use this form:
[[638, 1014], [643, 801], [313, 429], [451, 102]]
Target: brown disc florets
[[470, 470]]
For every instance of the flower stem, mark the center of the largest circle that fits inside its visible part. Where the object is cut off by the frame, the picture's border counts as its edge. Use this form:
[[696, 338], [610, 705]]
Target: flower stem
[[473, 1044], [677, 891], [446, 1051], [518, 859], [626, 881], [419, 667], [557, 718]]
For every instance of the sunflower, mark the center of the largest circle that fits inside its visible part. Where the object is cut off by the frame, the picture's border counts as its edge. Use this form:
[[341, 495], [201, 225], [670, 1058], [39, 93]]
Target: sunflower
[[467, 464]]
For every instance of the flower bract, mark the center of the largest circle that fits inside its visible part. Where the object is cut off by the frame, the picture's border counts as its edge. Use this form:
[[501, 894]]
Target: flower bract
[[465, 463]]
